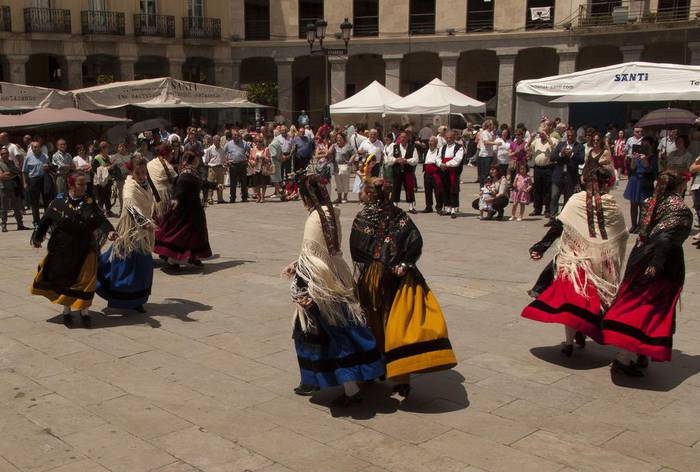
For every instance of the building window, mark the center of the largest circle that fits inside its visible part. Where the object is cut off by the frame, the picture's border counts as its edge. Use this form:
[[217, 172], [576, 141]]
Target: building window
[[195, 8], [148, 7], [480, 15], [309, 11], [673, 10], [366, 18], [422, 17], [539, 14], [257, 19]]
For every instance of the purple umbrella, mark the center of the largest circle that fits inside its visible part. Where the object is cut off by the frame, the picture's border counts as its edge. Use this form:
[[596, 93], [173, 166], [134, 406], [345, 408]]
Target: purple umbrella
[[667, 117]]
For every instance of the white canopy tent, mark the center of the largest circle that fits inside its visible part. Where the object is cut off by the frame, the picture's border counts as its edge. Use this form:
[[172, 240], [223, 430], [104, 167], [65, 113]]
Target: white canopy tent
[[164, 92], [372, 99], [628, 82], [17, 97], [436, 98]]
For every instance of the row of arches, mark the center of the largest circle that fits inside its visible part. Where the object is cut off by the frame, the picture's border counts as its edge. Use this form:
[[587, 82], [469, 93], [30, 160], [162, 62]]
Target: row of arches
[[477, 71], [47, 70]]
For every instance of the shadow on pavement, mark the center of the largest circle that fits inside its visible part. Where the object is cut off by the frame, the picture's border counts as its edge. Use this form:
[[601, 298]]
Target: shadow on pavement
[[173, 307], [109, 320], [594, 356], [210, 268], [379, 398], [663, 376]]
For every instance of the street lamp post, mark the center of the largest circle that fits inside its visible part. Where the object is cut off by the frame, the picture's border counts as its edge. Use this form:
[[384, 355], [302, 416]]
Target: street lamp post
[[317, 31]]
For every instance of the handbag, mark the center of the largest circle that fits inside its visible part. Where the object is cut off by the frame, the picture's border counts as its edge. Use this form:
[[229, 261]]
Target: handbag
[[102, 176], [268, 168]]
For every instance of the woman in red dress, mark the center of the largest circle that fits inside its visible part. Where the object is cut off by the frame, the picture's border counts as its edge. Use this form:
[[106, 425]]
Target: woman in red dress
[[642, 320], [582, 281]]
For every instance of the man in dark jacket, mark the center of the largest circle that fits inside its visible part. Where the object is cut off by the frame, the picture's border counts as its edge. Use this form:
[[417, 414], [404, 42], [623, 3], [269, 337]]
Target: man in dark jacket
[[567, 157]]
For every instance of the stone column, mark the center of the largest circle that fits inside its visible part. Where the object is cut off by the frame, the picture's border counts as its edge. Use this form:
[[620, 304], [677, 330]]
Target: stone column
[[223, 73], [18, 69], [126, 68], [694, 59], [175, 67], [449, 67], [338, 65], [631, 53], [236, 74], [392, 71], [74, 72], [284, 86], [567, 61], [506, 72]]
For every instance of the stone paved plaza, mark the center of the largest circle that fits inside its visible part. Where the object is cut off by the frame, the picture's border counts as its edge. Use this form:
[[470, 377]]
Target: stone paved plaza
[[204, 381]]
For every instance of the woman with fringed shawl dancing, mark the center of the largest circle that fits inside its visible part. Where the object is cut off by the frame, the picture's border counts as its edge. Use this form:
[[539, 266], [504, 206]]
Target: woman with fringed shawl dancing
[[404, 314], [334, 345], [585, 274], [642, 320], [125, 272]]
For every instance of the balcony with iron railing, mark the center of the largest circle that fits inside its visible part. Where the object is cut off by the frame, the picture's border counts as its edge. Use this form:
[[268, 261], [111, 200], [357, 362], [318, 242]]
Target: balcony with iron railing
[[365, 26], [421, 23], [5, 19], [479, 21], [199, 27], [257, 30], [154, 25], [102, 22], [622, 13], [46, 20], [540, 22]]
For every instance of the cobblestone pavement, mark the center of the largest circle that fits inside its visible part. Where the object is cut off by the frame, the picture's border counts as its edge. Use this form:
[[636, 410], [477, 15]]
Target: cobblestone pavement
[[203, 381]]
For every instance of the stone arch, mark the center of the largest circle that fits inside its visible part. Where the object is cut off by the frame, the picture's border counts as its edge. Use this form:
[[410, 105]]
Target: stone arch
[[150, 67], [47, 70], [418, 69], [477, 75], [310, 76], [534, 63], [100, 68], [362, 70], [198, 69], [257, 70], [666, 52], [590, 57]]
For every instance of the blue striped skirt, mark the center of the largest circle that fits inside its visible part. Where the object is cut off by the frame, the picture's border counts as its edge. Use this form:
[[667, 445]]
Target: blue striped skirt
[[332, 355], [125, 283]]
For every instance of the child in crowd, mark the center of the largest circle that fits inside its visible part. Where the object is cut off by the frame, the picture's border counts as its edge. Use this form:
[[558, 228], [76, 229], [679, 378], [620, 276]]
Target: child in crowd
[[487, 195], [520, 196]]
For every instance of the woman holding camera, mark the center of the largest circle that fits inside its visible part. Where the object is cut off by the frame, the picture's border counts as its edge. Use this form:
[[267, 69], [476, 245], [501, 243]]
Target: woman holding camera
[[643, 166]]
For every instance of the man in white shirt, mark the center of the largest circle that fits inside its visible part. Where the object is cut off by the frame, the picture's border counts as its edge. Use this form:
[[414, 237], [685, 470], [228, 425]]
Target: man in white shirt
[[451, 155], [432, 179], [286, 145], [371, 145], [486, 156], [667, 144], [215, 160], [403, 159]]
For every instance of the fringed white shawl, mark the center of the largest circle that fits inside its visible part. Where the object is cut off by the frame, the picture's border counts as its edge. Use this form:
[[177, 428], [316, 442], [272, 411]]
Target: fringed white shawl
[[601, 259], [328, 278], [162, 182], [135, 229]]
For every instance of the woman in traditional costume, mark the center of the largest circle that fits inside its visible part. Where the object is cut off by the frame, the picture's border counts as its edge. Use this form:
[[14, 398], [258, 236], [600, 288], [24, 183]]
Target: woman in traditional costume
[[583, 279], [334, 345], [161, 178], [401, 309], [642, 320], [68, 274], [182, 234], [125, 272]]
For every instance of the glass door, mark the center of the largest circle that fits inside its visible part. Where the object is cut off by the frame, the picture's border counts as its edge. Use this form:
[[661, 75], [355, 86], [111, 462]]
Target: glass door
[[148, 9]]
